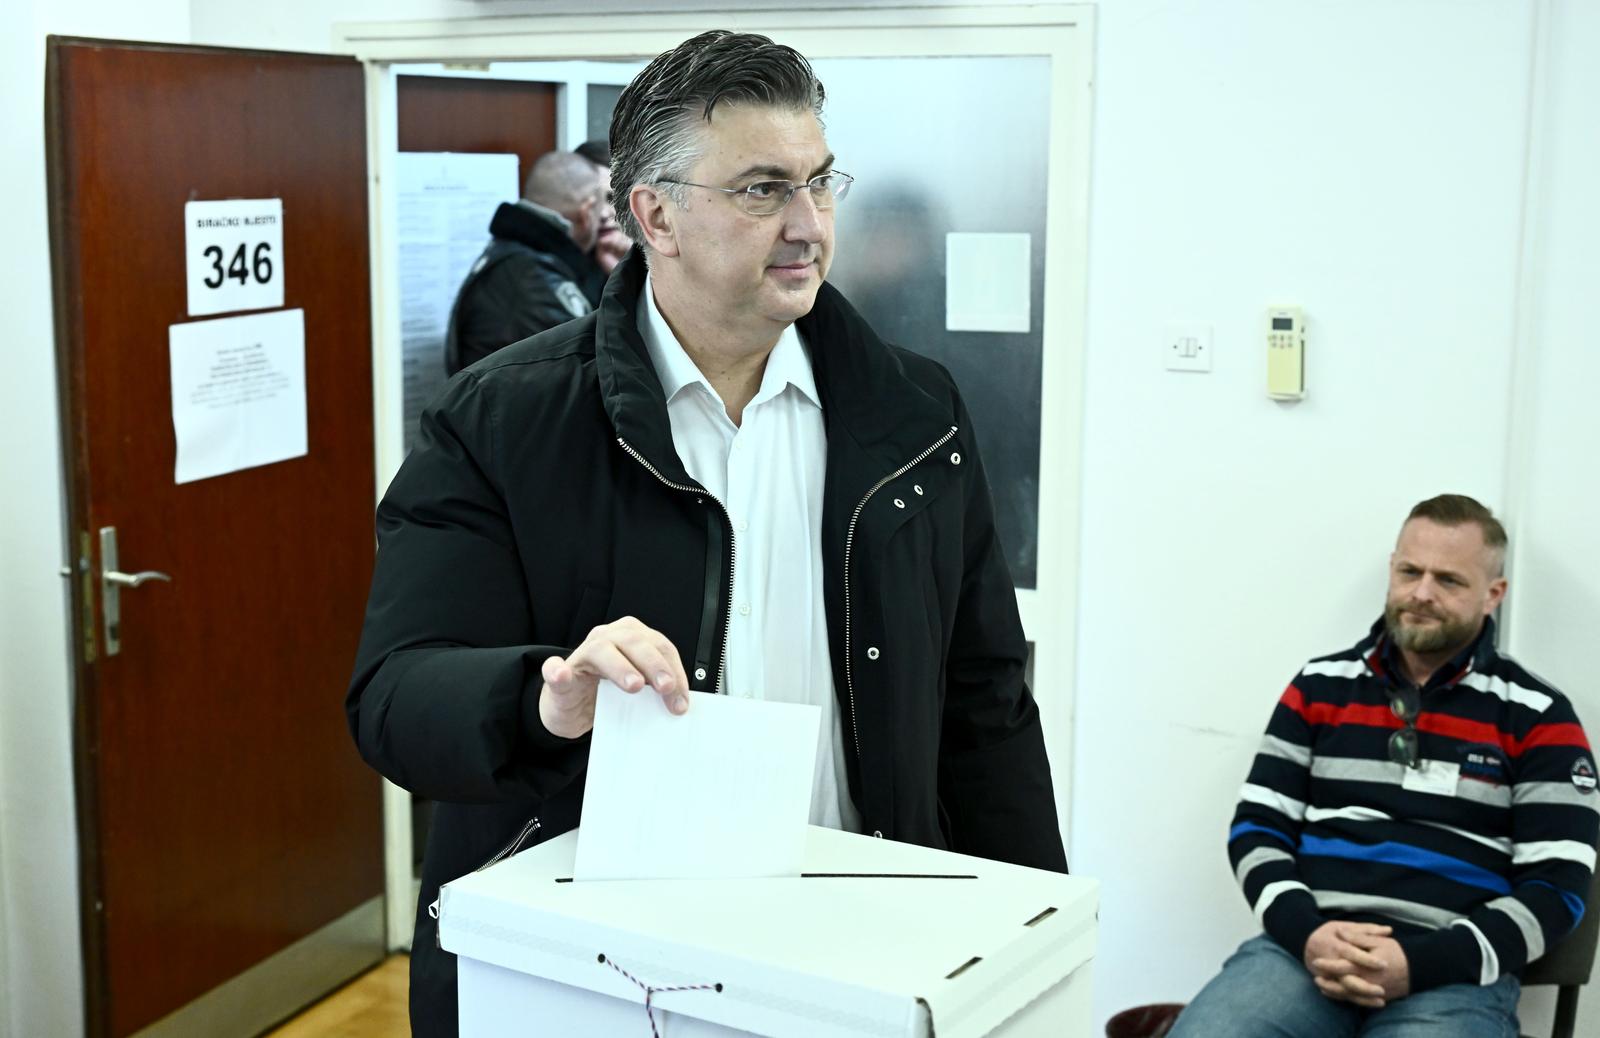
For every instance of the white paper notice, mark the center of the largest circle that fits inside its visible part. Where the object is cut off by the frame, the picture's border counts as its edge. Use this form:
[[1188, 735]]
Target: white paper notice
[[443, 206], [722, 791], [987, 280], [233, 251], [238, 392]]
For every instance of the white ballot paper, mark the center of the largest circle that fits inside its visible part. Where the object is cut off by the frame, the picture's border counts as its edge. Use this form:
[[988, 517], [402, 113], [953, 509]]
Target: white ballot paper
[[238, 392], [722, 791]]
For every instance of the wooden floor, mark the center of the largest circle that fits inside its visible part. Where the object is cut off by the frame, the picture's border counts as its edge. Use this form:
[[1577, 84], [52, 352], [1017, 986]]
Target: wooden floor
[[371, 1006]]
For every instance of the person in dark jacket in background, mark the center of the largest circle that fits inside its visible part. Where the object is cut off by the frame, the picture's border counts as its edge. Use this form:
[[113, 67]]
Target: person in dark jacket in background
[[721, 481], [536, 273], [610, 244]]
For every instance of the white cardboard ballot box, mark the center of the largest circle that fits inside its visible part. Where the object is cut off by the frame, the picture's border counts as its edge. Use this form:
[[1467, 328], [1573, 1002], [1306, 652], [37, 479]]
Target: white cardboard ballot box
[[877, 938]]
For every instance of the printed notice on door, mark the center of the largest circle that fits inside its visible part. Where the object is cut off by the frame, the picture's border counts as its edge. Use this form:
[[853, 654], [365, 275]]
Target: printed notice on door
[[238, 392], [233, 255]]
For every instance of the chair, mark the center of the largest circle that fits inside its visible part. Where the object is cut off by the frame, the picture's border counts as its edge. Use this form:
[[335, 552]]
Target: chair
[[1568, 964]]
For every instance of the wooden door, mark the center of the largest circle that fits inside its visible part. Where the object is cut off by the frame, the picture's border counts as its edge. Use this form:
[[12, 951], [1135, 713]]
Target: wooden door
[[492, 116], [231, 837]]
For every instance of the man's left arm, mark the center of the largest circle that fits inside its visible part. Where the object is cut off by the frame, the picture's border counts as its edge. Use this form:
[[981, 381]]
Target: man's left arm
[[994, 777], [1554, 827]]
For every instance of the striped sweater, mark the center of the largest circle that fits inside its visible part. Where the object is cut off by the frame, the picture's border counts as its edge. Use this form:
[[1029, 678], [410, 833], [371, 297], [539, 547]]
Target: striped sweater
[[1479, 861]]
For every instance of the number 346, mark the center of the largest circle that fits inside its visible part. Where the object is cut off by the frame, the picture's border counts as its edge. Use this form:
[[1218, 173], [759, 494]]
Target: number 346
[[259, 264]]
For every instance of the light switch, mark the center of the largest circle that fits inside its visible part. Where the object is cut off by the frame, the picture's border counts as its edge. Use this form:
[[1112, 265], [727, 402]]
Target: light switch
[[1187, 347]]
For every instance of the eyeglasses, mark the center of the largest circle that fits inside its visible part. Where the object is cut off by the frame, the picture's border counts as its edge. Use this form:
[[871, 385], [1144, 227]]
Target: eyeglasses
[[1405, 745], [765, 197]]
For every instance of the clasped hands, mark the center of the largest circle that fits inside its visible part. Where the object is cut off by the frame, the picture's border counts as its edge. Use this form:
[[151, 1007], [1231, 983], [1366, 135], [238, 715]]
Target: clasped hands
[[1358, 963]]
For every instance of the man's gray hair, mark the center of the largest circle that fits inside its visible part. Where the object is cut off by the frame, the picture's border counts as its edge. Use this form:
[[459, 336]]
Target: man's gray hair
[[656, 126], [562, 180]]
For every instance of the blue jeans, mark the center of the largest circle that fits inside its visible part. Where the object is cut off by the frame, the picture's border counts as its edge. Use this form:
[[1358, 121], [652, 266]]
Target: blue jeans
[[1263, 992]]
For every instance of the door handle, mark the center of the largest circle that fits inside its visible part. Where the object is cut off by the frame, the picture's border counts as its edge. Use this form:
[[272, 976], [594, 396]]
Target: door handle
[[112, 581], [112, 576]]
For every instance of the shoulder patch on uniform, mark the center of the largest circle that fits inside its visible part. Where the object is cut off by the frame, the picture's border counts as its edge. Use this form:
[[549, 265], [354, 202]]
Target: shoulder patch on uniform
[[1583, 776], [572, 298]]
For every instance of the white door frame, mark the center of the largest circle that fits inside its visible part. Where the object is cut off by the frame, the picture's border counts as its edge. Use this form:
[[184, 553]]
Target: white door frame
[[494, 47]]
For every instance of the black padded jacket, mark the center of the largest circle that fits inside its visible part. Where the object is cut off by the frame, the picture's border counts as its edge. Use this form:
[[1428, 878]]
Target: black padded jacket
[[531, 276], [544, 497]]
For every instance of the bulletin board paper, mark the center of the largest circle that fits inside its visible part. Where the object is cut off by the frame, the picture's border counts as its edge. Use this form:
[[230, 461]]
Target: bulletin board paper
[[238, 392], [988, 282]]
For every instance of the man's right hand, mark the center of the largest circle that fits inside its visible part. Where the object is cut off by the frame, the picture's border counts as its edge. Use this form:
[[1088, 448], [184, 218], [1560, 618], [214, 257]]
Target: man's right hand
[[626, 653], [1353, 943]]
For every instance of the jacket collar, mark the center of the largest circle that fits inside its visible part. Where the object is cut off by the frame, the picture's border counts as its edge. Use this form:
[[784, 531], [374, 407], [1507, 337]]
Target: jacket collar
[[541, 230], [1382, 658], [864, 389], [787, 365]]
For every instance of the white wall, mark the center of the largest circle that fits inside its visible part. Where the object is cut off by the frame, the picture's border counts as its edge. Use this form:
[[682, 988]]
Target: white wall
[[1363, 160], [1552, 621], [307, 25], [40, 967]]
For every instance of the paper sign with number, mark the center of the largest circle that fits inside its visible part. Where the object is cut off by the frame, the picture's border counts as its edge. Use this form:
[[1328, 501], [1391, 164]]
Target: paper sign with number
[[234, 255]]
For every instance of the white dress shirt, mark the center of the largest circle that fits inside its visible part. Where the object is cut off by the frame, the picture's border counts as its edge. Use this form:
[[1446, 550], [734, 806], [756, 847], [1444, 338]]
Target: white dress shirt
[[768, 473]]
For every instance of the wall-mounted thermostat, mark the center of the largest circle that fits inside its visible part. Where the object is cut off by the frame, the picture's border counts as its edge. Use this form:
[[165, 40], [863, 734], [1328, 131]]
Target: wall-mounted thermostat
[[1286, 353]]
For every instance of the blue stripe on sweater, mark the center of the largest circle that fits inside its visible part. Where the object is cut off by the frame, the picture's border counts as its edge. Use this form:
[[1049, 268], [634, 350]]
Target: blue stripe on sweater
[[1251, 827], [1573, 902], [1390, 853]]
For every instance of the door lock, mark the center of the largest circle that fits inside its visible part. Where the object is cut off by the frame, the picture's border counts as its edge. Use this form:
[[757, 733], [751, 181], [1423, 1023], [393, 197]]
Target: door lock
[[112, 581]]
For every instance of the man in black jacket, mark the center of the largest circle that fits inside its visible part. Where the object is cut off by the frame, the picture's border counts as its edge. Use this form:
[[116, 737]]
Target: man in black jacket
[[620, 498], [536, 272]]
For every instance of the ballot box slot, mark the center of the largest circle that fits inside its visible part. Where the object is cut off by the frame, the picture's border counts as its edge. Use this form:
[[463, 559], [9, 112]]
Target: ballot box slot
[[1041, 917], [953, 974], [881, 875], [876, 875]]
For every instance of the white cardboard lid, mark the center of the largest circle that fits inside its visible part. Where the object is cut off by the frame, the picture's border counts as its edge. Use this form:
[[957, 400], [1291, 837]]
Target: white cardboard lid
[[842, 954]]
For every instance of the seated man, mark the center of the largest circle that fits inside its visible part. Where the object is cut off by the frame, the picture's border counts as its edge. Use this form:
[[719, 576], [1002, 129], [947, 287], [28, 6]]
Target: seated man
[[1419, 823], [536, 273]]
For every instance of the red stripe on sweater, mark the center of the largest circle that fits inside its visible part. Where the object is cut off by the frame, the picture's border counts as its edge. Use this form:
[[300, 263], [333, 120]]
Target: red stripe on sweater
[[1468, 731], [1329, 713], [1549, 735], [1374, 716]]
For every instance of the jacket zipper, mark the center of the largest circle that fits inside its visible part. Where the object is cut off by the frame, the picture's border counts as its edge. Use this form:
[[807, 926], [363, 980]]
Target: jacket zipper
[[516, 843], [849, 539], [733, 550], [507, 851]]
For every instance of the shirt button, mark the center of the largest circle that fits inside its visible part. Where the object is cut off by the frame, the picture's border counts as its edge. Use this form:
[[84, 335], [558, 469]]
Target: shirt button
[[744, 610], [744, 524], [699, 673], [872, 652]]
